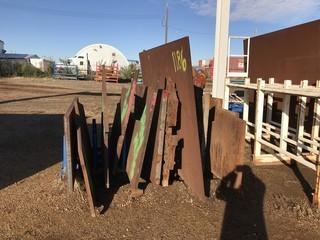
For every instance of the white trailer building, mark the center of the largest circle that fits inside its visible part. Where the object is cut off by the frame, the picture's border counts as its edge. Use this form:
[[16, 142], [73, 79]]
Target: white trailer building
[[2, 51], [42, 64]]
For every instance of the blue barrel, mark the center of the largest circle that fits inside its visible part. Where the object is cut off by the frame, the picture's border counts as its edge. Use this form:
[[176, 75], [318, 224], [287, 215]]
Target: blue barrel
[[236, 107]]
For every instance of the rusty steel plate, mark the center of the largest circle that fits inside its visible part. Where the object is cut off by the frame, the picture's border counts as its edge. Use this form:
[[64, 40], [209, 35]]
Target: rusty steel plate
[[171, 139], [105, 133], [104, 104], [85, 155], [127, 106], [85, 158], [70, 135], [173, 61], [140, 139], [155, 174], [227, 143]]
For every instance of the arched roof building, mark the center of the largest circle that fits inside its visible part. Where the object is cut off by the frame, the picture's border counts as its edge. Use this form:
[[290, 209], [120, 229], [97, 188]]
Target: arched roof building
[[102, 54]]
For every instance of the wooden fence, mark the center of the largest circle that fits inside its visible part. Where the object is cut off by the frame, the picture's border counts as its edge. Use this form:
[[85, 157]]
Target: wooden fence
[[271, 138], [107, 73]]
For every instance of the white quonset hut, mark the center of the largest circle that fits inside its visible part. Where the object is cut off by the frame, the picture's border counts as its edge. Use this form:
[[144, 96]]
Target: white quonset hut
[[99, 54]]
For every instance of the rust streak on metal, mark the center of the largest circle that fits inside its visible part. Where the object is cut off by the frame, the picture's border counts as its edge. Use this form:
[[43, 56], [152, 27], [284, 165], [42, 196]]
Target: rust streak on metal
[[171, 139]]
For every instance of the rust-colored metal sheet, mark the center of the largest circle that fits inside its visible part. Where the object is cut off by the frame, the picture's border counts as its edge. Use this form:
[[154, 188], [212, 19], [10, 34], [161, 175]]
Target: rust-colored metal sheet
[[82, 122], [70, 135], [85, 155], [227, 142], [155, 174], [104, 104], [291, 53], [139, 139], [85, 158], [105, 133], [117, 137], [173, 61], [127, 105], [171, 138], [216, 103]]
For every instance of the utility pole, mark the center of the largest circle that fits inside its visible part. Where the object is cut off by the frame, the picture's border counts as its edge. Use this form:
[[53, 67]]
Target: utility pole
[[221, 48], [166, 24]]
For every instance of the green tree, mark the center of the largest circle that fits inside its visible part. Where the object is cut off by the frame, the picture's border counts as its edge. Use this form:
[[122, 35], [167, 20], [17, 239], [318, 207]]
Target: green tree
[[126, 73], [11, 69]]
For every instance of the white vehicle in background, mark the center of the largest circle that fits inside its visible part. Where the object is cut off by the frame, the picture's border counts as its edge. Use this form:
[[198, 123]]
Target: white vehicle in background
[[83, 65], [65, 71]]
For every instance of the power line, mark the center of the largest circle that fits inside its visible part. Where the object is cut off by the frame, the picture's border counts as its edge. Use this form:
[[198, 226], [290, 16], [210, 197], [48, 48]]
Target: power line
[[188, 31]]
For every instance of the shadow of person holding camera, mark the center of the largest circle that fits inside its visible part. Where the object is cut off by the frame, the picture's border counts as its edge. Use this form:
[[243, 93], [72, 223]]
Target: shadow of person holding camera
[[243, 193]]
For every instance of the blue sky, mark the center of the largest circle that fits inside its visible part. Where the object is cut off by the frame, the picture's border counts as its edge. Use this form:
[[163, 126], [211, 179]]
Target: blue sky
[[60, 28]]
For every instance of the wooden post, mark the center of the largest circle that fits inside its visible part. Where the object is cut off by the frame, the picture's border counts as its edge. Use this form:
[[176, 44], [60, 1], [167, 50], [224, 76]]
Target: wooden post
[[269, 106], [301, 116], [314, 135], [258, 117], [206, 108], [285, 117], [226, 94], [316, 195], [316, 119], [103, 74], [245, 114]]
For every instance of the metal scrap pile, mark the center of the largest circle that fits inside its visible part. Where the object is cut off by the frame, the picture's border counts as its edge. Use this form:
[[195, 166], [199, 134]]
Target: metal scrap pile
[[158, 133]]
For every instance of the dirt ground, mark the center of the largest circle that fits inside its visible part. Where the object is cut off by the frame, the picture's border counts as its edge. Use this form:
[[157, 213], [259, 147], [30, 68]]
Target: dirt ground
[[273, 202]]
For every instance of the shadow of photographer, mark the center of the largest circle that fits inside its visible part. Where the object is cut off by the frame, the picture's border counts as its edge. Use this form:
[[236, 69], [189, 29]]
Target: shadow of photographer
[[243, 193]]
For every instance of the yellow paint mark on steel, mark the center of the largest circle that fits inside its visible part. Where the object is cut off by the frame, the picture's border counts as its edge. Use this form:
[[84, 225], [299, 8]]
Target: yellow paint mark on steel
[[179, 61]]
